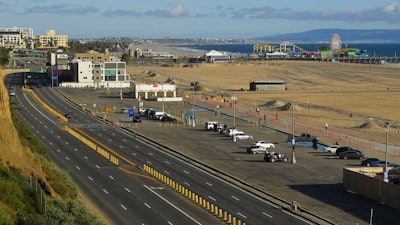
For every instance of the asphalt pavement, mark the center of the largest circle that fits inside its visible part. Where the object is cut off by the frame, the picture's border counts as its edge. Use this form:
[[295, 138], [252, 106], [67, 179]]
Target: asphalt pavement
[[314, 181]]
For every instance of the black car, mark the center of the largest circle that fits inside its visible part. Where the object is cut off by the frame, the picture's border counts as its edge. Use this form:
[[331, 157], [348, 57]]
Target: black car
[[343, 149], [67, 115], [352, 154], [368, 161], [274, 157], [169, 119], [136, 119]]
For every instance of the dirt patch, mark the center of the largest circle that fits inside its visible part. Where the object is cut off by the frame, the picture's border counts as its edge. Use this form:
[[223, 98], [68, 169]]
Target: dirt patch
[[371, 124], [274, 103]]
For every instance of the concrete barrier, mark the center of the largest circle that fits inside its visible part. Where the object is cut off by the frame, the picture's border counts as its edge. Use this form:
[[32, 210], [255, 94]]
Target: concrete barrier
[[199, 200]]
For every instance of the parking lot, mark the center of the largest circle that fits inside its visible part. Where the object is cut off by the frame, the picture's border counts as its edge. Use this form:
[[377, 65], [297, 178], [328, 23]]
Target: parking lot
[[314, 181]]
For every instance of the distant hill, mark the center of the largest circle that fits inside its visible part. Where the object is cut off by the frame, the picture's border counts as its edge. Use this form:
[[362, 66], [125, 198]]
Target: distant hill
[[347, 36]]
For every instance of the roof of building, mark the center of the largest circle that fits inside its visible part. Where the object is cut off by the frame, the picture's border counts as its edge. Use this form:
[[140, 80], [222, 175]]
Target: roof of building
[[268, 82]]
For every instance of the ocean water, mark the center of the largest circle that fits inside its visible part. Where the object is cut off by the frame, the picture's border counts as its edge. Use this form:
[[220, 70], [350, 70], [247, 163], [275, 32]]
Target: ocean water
[[389, 50]]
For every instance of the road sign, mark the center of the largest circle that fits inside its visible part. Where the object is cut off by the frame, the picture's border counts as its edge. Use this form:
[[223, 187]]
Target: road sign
[[131, 112]]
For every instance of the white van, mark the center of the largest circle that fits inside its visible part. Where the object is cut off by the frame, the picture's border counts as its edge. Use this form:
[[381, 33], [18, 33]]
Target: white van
[[210, 125]]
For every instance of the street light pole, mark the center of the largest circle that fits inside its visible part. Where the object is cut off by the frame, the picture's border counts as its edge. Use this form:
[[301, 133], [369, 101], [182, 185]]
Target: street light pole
[[293, 139], [162, 87], [386, 147], [193, 119], [234, 99]]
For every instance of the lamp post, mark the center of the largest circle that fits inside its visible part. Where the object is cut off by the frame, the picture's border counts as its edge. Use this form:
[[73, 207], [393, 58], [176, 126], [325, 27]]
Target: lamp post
[[193, 115], [162, 87], [387, 124], [293, 139], [234, 99]]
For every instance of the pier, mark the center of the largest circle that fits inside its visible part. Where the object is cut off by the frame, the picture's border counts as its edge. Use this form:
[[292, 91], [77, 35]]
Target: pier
[[363, 60], [347, 59]]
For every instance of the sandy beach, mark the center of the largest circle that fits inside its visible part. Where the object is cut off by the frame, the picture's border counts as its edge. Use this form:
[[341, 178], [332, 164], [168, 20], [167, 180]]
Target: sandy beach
[[321, 92]]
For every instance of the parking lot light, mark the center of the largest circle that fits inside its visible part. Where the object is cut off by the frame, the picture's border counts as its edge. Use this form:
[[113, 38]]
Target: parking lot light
[[386, 146], [293, 138]]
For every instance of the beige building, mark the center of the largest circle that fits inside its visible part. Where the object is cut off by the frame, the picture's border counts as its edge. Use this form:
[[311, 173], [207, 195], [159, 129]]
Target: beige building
[[51, 40], [93, 56]]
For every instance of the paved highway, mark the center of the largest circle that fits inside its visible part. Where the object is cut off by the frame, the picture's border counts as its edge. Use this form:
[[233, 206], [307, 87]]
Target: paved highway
[[245, 206], [125, 198], [314, 182]]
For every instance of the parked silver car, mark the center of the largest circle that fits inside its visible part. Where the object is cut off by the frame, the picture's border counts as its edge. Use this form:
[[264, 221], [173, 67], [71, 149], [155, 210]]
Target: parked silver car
[[242, 136], [256, 149]]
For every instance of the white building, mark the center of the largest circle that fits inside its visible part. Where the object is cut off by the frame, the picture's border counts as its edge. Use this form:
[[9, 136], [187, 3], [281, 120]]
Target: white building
[[156, 91], [12, 39], [25, 32], [98, 75], [216, 56], [16, 37]]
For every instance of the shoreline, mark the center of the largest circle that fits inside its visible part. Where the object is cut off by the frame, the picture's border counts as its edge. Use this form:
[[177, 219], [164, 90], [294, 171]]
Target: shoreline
[[374, 50]]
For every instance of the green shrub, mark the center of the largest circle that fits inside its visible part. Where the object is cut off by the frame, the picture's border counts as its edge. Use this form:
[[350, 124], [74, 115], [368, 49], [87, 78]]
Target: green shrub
[[18, 196]]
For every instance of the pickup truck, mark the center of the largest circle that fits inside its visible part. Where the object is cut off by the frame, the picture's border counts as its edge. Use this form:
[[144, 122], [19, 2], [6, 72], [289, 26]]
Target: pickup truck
[[304, 137]]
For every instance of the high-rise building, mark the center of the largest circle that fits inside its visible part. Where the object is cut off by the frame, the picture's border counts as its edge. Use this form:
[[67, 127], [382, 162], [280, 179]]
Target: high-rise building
[[16, 37], [25, 32]]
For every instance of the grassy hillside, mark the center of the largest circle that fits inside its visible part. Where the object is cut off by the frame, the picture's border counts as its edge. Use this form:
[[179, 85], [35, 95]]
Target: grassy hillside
[[34, 190]]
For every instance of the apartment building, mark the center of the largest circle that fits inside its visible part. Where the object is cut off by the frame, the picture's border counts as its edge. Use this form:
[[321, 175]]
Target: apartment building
[[51, 40], [86, 73], [16, 38], [12, 39]]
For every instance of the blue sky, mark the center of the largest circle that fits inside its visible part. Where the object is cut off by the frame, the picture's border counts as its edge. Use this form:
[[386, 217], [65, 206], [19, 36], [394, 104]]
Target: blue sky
[[194, 19]]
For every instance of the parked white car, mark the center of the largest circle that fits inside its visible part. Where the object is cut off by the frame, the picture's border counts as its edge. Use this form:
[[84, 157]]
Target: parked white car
[[235, 132], [242, 136], [331, 149], [264, 144]]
